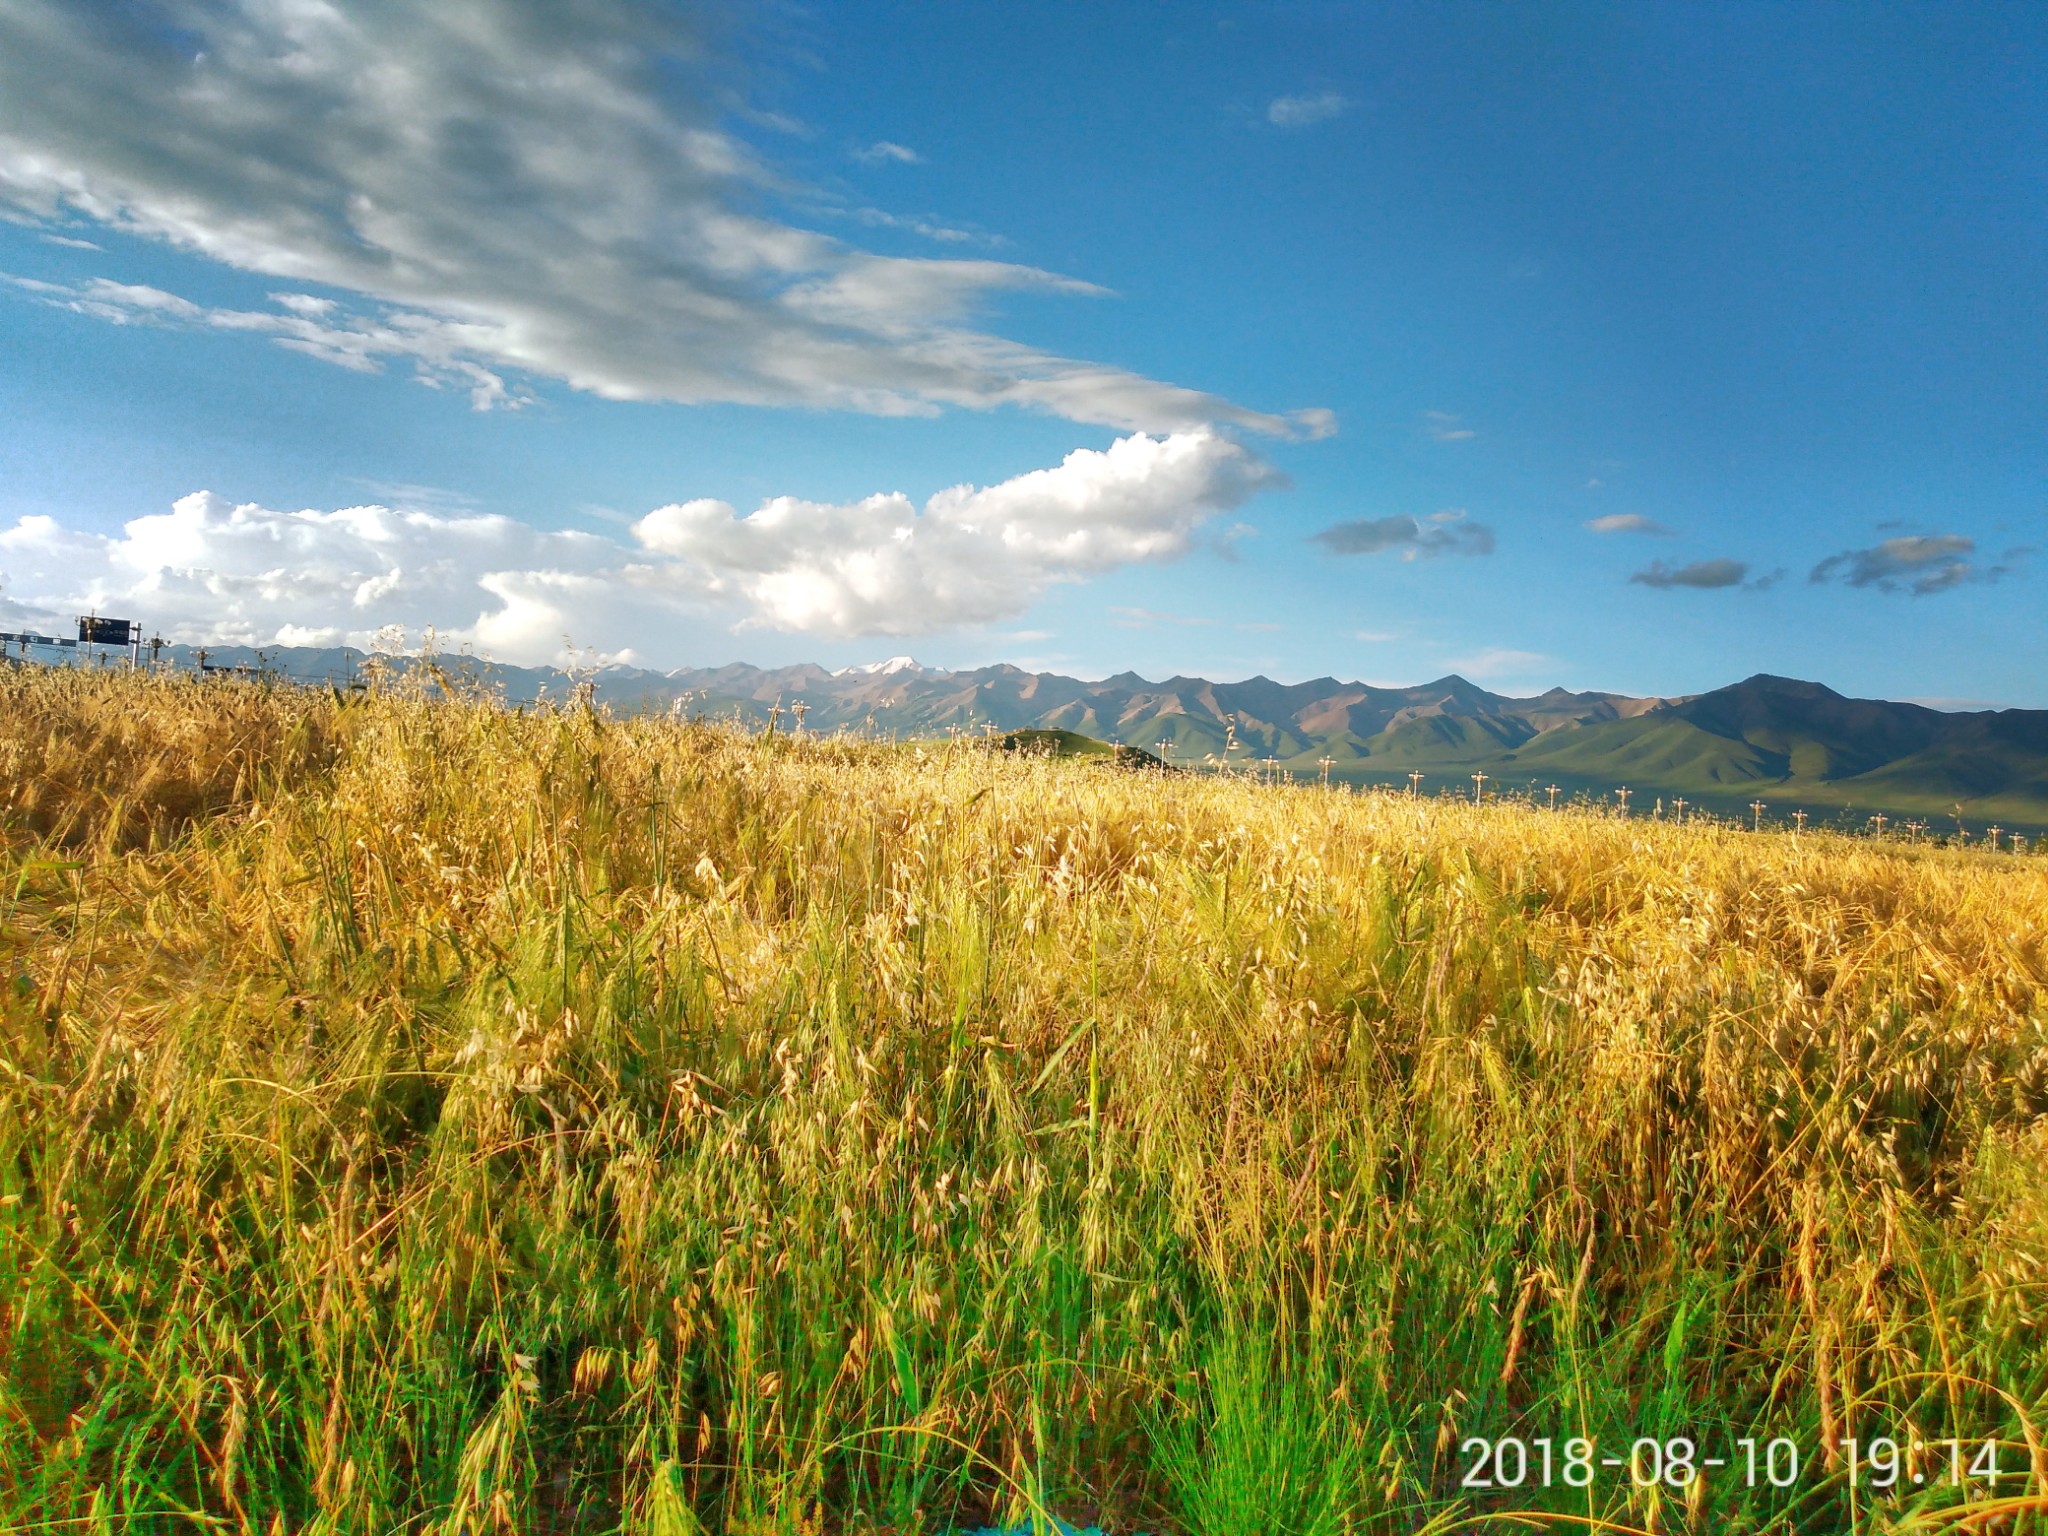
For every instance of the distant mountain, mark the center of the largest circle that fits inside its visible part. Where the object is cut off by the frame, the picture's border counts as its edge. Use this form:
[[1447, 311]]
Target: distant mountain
[[1792, 744]]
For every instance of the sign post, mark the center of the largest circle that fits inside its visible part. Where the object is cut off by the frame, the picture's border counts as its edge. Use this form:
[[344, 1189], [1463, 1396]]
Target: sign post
[[125, 633]]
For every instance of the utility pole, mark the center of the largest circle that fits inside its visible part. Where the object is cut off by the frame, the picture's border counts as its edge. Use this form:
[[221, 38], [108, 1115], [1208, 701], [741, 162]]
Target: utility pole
[[1758, 807], [1678, 803], [1478, 787], [1799, 820], [1415, 784], [1621, 794], [1553, 797]]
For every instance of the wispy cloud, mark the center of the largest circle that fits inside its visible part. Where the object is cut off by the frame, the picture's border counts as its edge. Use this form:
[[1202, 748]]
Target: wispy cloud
[[1302, 111], [405, 496], [1440, 533], [885, 152], [1499, 661], [1920, 564], [929, 228], [317, 327], [1152, 618], [1446, 428], [520, 188], [1626, 522]]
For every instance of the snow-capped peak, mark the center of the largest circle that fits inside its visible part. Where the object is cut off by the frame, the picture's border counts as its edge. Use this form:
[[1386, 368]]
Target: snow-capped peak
[[887, 668]]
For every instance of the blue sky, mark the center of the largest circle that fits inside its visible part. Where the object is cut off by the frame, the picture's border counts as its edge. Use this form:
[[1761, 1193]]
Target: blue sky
[[1628, 347]]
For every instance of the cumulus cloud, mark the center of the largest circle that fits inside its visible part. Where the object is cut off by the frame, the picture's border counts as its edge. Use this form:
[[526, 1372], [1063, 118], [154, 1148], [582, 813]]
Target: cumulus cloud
[[214, 570], [1919, 564], [880, 567], [1301, 111], [1447, 428], [1626, 522], [504, 188], [1703, 574], [1440, 533], [211, 569]]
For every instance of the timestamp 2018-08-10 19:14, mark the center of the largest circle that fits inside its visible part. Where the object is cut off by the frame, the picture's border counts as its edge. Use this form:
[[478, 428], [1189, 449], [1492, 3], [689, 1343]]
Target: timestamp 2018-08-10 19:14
[[1880, 1463]]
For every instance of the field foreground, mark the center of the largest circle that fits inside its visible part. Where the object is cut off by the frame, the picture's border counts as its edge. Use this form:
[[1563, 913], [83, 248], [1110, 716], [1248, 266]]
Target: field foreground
[[418, 1115]]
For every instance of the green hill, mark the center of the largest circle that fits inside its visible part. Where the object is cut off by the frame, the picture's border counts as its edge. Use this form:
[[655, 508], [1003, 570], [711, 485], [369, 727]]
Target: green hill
[[1791, 743]]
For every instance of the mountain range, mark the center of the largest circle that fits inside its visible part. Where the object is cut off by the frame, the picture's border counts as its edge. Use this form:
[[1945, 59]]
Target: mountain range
[[1792, 744]]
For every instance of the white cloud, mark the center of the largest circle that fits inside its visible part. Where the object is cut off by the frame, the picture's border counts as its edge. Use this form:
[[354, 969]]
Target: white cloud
[[929, 228], [504, 188], [210, 569], [315, 326], [1446, 428], [1301, 111], [878, 567], [883, 152]]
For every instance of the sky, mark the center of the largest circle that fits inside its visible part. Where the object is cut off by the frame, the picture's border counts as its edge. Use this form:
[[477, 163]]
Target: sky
[[1630, 347]]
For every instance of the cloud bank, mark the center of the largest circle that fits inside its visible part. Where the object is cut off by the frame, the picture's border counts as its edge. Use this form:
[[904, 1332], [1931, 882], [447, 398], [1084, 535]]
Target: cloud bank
[[1441, 533], [211, 569], [494, 188]]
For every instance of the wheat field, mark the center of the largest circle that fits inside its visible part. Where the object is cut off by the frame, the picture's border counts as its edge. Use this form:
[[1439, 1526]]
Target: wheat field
[[422, 1115]]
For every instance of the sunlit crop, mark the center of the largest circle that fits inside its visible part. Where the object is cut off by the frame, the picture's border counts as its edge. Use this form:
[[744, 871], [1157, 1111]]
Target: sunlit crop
[[417, 1114]]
